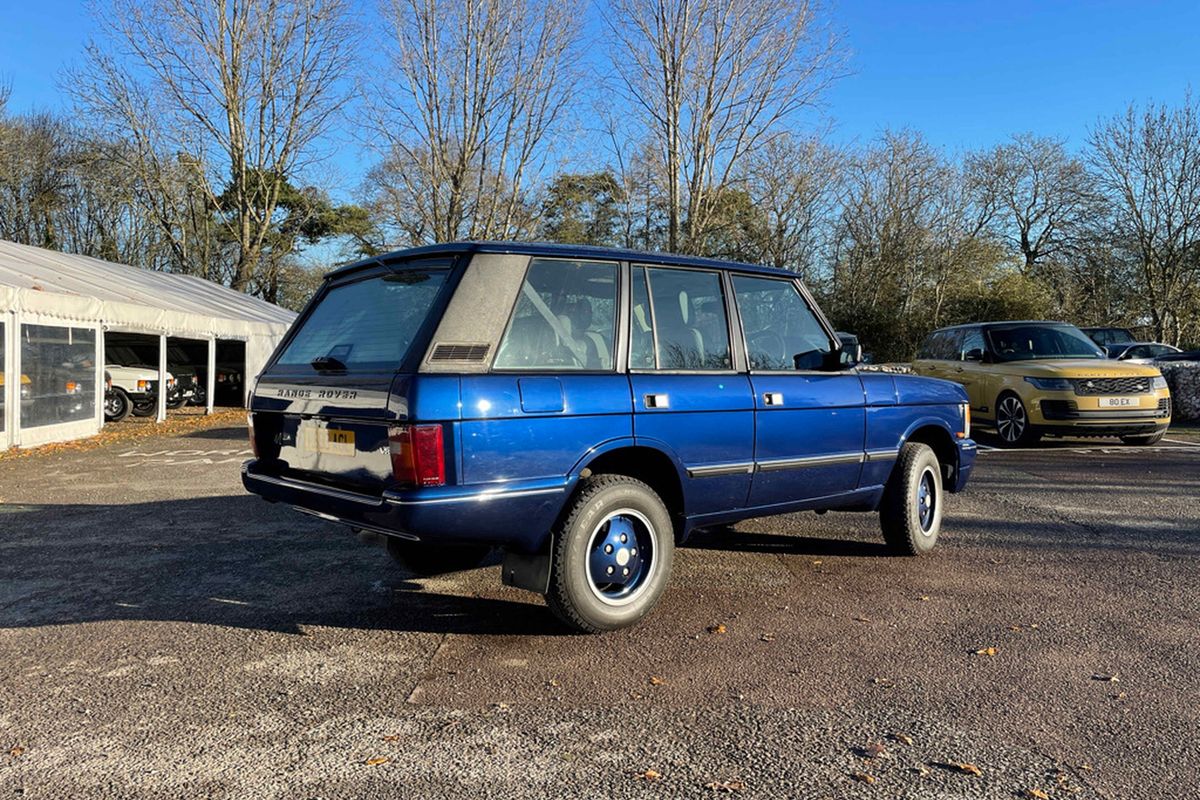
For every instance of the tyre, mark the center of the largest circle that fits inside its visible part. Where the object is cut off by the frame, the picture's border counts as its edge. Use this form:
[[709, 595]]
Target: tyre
[[427, 560], [612, 555], [117, 405], [1150, 438], [176, 402], [1012, 422], [910, 512], [145, 408]]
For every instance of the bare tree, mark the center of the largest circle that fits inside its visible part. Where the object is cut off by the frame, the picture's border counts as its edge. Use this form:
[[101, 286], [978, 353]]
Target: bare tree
[[713, 80], [1038, 193], [468, 112], [231, 96], [1148, 162], [795, 184]]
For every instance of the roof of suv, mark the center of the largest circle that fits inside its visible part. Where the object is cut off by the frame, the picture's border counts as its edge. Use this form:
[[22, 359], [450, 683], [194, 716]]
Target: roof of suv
[[556, 251], [993, 323]]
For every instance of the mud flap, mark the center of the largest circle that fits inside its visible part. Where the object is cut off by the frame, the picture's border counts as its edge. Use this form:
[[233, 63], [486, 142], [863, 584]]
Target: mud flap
[[529, 571]]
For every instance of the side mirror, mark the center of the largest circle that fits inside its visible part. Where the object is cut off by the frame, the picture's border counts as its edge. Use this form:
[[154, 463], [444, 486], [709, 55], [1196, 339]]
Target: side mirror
[[851, 355], [974, 354]]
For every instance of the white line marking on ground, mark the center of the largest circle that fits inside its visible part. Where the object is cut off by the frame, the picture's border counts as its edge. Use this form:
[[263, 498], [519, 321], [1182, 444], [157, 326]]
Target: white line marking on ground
[[1181, 441]]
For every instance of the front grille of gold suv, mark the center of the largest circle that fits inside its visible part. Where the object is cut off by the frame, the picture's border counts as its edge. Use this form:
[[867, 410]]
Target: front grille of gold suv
[[1111, 385]]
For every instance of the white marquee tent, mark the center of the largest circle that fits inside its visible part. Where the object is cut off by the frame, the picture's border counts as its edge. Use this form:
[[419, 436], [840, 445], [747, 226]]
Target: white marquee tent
[[54, 311]]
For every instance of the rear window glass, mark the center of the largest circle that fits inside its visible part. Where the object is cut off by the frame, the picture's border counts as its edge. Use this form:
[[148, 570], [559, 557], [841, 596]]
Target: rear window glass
[[365, 325]]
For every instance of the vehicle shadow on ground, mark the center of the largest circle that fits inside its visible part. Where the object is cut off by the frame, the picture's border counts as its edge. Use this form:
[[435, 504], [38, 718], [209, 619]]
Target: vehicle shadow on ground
[[228, 561], [749, 540]]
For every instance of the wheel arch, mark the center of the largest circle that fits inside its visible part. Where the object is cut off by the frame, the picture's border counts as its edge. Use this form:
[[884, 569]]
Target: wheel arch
[[651, 465], [937, 435]]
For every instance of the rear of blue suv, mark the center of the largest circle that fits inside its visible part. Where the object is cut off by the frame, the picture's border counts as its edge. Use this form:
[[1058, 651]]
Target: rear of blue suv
[[584, 409]]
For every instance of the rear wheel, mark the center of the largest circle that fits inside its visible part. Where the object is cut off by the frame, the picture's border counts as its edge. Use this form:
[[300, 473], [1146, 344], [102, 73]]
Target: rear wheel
[[1012, 422], [428, 560], [1152, 438], [612, 555], [910, 513], [117, 405], [145, 408]]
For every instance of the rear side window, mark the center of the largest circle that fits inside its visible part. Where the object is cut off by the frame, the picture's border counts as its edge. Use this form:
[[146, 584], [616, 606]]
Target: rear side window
[[678, 321], [565, 317], [972, 343], [366, 325], [782, 333], [942, 346]]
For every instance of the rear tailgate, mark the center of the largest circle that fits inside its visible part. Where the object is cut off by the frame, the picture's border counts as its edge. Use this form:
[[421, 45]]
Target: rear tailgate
[[324, 409]]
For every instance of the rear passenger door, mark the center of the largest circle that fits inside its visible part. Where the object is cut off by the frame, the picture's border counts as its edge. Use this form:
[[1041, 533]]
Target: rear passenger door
[[687, 396], [969, 370], [810, 417]]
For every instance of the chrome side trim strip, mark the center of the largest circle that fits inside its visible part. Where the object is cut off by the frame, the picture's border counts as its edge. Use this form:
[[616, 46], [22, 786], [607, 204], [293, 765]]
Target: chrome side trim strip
[[881, 455], [811, 461], [713, 470], [476, 497]]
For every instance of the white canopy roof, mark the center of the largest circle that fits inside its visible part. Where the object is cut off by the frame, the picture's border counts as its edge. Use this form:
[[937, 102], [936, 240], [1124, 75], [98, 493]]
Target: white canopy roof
[[84, 289]]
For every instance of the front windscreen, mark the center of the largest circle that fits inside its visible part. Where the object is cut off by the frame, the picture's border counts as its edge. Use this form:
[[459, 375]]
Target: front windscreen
[[366, 325], [1027, 342]]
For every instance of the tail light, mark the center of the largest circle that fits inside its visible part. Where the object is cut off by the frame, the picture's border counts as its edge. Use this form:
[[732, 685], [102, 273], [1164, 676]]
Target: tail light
[[73, 387], [253, 439], [418, 455]]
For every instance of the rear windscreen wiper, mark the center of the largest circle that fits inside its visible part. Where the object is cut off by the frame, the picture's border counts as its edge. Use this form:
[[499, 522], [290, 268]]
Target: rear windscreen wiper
[[327, 362]]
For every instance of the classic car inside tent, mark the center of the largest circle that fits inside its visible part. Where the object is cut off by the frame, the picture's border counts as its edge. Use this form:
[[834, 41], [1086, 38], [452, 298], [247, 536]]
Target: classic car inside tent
[[56, 311]]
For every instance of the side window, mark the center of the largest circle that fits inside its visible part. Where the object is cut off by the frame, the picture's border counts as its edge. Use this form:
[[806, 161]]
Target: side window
[[782, 332], [565, 317], [929, 346], [972, 344], [678, 320]]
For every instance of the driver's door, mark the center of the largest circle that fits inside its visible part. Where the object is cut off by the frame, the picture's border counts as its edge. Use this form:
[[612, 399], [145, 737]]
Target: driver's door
[[809, 421]]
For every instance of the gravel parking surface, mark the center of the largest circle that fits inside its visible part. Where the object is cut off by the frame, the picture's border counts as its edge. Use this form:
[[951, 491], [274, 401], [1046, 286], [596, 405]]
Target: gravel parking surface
[[163, 634]]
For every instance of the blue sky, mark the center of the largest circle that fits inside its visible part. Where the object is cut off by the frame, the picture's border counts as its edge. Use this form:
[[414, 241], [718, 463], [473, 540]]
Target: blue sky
[[967, 74]]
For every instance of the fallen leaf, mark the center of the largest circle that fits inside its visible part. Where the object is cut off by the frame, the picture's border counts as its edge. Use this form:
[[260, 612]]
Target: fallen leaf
[[718, 628], [648, 775], [902, 738], [862, 777], [873, 750], [1086, 767], [881, 681], [553, 683], [986, 651], [375, 761], [862, 619], [767, 637], [920, 770], [17, 752], [726, 786], [1036, 794], [1100, 676], [656, 681], [391, 737], [965, 767], [817, 562], [924, 598]]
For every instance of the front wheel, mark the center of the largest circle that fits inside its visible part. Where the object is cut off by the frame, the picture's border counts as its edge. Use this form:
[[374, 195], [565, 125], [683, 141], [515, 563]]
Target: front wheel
[[1012, 422], [910, 513], [427, 560], [1152, 438], [612, 555], [117, 405], [145, 408]]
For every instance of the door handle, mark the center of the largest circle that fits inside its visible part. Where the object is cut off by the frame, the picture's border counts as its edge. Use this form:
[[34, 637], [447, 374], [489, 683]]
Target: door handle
[[657, 401], [772, 398]]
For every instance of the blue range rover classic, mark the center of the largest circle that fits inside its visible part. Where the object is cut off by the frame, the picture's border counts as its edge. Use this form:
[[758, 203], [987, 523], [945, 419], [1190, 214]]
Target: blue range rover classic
[[584, 409]]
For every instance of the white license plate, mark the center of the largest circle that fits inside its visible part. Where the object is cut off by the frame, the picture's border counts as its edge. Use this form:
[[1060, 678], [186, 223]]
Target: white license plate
[[1118, 402], [332, 441]]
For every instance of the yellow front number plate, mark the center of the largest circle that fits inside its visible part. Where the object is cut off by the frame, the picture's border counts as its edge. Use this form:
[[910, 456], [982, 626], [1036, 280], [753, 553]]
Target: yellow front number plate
[[1118, 402]]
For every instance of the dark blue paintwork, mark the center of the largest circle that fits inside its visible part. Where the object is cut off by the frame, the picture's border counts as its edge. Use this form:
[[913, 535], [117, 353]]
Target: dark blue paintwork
[[517, 444]]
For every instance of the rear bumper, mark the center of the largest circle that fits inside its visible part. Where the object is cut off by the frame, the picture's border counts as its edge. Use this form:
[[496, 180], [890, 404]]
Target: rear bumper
[[516, 515]]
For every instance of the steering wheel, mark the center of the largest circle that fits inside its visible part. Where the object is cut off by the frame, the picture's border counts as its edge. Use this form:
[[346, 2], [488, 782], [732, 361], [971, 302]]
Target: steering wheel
[[770, 344]]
